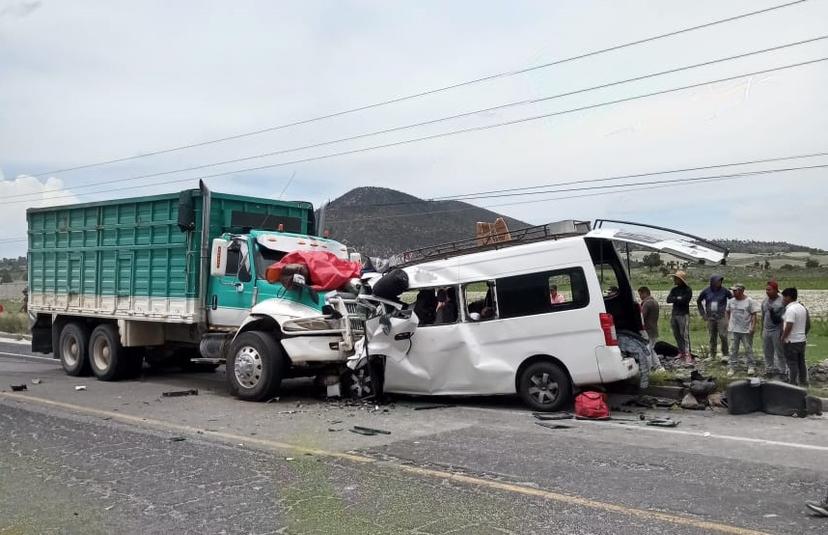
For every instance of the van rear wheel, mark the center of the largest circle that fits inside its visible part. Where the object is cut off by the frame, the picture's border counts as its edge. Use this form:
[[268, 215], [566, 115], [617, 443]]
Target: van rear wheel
[[544, 386], [72, 347], [255, 366]]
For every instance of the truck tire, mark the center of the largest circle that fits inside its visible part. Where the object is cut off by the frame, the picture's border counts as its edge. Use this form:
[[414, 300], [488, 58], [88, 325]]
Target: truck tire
[[543, 386], [72, 349], [255, 366], [108, 359]]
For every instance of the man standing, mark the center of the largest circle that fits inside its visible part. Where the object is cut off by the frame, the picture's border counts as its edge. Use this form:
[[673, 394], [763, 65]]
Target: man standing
[[649, 313], [680, 296], [712, 303], [773, 310], [741, 322], [794, 337]]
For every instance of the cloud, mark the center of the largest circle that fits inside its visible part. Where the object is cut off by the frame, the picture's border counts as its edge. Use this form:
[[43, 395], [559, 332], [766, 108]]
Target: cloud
[[20, 9], [21, 193]]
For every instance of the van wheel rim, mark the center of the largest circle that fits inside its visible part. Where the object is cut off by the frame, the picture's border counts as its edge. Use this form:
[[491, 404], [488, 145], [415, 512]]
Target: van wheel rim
[[543, 388], [101, 354], [70, 351], [248, 367], [361, 385]]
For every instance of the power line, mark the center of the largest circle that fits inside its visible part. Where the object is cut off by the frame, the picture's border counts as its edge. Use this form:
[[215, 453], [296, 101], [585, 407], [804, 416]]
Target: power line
[[634, 187], [422, 93], [487, 194], [438, 120], [646, 186], [451, 132]]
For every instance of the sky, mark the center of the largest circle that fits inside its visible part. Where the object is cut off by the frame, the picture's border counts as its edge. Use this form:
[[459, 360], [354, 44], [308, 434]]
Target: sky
[[84, 82]]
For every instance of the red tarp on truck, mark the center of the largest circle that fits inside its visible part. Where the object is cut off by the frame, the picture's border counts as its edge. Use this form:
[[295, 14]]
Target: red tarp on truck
[[327, 271]]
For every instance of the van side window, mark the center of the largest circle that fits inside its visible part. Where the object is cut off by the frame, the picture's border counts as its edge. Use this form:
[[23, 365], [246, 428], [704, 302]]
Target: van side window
[[540, 293], [479, 298]]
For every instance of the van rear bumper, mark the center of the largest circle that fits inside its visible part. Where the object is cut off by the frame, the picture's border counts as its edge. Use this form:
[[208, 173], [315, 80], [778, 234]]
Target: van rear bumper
[[612, 366]]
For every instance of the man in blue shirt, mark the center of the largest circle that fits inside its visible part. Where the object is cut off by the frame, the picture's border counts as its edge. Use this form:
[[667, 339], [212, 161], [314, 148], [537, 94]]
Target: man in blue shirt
[[712, 302]]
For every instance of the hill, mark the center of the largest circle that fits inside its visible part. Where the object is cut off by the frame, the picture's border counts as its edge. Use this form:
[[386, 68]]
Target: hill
[[381, 221]]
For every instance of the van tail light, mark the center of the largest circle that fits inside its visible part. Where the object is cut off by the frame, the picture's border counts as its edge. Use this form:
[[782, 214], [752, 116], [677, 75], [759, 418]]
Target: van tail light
[[608, 326]]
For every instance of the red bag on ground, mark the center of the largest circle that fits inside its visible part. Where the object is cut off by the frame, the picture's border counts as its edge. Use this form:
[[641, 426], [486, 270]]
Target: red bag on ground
[[327, 271], [592, 405]]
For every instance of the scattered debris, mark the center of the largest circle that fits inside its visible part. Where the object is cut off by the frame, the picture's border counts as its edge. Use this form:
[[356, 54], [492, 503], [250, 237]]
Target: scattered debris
[[436, 406], [368, 431], [36, 381], [177, 439], [334, 430], [180, 393], [289, 459], [548, 416], [690, 402], [663, 422], [553, 426], [334, 422], [770, 516], [80, 388], [18, 388], [272, 400]]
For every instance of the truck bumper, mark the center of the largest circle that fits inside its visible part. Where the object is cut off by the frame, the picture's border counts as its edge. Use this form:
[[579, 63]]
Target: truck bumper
[[314, 349]]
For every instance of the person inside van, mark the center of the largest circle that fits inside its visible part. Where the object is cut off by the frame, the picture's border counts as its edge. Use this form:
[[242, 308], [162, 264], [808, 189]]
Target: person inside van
[[446, 311], [554, 297], [426, 307]]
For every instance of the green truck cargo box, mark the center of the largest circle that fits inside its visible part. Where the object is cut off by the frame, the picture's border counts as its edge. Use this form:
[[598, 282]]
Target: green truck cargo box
[[141, 258]]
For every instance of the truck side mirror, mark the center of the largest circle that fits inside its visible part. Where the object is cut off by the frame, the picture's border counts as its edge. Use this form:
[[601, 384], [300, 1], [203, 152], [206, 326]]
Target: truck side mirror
[[218, 257]]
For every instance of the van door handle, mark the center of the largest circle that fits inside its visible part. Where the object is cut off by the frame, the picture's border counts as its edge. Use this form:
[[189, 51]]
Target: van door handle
[[214, 302]]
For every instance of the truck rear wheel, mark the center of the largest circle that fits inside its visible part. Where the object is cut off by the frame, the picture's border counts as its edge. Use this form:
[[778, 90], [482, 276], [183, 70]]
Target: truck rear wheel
[[109, 360], [255, 366], [72, 349]]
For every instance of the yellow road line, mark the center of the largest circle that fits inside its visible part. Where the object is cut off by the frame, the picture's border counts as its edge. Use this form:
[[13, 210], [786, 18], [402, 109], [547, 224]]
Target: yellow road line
[[568, 499]]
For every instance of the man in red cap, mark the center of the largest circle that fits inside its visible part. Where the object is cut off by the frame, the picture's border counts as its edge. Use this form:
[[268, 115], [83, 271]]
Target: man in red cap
[[773, 311]]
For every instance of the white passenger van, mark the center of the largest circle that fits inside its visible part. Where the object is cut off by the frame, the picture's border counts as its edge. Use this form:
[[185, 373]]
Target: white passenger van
[[502, 330]]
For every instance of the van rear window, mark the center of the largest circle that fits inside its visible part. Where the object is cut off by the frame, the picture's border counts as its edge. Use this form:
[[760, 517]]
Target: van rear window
[[541, 293]]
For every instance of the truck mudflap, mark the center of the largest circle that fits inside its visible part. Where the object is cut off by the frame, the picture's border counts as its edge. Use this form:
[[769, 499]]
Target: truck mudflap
[[613, 366]]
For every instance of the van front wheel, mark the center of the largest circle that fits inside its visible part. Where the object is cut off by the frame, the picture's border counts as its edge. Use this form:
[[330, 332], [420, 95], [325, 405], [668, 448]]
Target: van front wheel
[[544, 386]]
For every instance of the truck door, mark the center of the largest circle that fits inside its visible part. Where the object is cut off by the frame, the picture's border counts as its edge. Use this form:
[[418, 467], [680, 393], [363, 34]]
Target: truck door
[[231, 294]]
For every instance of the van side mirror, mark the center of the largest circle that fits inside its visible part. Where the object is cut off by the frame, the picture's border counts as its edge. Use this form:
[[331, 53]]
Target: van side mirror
[[218, 257]]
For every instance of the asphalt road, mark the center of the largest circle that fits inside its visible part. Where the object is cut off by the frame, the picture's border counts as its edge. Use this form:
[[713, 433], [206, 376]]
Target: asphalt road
[[121, 458]]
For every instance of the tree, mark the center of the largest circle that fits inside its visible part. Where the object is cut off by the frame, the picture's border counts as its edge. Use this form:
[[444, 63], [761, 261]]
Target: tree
[[811, 263], [5, 277], [652, 260]]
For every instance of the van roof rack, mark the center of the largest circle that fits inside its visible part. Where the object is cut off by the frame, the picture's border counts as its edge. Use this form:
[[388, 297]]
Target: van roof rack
[[550, 231]]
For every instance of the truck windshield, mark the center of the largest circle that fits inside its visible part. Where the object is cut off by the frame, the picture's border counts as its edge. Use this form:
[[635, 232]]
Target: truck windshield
[[264, 258]]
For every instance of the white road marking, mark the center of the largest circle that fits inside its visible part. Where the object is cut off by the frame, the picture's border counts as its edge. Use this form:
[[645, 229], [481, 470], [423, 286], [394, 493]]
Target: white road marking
[[707, 435], [20, 355]]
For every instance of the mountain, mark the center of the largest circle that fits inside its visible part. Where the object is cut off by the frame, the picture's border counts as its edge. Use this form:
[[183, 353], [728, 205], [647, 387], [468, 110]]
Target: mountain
[[765, 247], [381, 221]]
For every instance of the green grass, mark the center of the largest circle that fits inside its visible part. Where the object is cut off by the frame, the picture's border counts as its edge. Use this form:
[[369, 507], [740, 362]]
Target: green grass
[[11, 320], [753, 278]]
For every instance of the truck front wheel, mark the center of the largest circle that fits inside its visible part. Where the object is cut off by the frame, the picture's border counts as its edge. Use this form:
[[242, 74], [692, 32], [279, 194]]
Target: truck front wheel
[[255, 366], [72, 344]]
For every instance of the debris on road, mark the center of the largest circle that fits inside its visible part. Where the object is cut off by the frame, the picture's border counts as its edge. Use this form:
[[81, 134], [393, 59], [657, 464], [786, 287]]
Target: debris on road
[[80, 388], [436, 406], [18, 388], [36, 381], [180, 393], [690, 402], [663, 422], [553, 426], [547, 416], [177, 439], [368, 431]]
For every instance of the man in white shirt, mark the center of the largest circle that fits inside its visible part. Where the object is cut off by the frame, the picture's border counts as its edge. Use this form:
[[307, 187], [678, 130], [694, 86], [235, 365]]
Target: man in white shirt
[[741, 322], [794, 337]]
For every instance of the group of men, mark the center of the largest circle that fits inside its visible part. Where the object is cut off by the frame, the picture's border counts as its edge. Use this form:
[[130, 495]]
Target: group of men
[[731, 317]]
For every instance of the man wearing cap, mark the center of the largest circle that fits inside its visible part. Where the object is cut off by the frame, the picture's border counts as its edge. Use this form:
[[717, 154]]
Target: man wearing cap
[[712, 303], [741, 322], [773, 310], [794, 337], [680, 296]]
